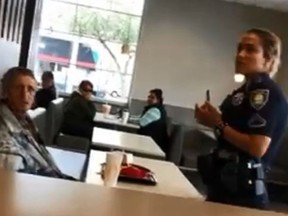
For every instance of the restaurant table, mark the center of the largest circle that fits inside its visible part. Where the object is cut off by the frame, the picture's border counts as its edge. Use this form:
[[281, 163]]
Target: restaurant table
[[69, 162], [116, 140], [28, 195], [113, 122], [206, 131], [170, 180]]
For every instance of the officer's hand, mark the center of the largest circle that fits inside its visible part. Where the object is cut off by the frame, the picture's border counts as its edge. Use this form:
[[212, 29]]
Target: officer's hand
[[207, 115], [198, 110]]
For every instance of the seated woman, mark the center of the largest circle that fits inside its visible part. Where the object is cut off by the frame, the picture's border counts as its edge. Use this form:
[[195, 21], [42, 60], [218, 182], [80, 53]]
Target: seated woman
[[48, 92], [79, 112], [153, 121], [19, 149]]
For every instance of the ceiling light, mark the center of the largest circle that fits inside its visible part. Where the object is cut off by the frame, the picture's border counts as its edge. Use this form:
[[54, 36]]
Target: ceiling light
[[239, 78]]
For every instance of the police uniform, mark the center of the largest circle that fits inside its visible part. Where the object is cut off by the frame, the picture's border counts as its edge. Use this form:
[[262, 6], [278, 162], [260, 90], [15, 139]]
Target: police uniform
[[259, 107]]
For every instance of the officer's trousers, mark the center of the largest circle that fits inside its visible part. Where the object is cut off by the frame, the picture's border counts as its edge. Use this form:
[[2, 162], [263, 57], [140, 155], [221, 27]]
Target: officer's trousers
[[216, 193]]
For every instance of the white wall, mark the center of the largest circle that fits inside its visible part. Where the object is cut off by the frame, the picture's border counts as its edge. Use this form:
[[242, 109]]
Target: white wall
[[9, 55], [188, 46]]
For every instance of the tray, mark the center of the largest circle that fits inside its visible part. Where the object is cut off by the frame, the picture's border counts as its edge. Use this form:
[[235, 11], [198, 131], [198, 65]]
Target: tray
[[148, 179]]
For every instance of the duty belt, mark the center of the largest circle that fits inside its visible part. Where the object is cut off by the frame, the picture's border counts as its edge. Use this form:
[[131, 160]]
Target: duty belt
[[257, 167]]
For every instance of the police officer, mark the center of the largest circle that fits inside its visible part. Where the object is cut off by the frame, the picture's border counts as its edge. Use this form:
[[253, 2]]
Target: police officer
[[248, 128]]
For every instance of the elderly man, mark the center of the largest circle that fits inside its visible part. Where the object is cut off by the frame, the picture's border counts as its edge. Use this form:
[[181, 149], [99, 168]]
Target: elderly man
[[19, 149]]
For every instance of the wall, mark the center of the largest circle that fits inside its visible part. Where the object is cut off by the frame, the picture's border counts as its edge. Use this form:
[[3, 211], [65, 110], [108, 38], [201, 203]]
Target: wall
[[11, 25], [9, 55], [188, 46]]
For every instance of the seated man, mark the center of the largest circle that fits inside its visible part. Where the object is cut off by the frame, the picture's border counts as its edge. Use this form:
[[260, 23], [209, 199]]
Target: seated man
[[48, 92], [19, 149], [153, 121]]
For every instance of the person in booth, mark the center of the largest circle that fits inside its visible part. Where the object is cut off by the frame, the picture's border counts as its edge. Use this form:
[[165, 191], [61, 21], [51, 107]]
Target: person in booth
[[153, 121], [248, 127], [20, 149], [79, 112], [48, 92]]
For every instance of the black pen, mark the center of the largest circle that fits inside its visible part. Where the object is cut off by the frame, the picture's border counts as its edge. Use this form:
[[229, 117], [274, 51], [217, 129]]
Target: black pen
[[208, 95]]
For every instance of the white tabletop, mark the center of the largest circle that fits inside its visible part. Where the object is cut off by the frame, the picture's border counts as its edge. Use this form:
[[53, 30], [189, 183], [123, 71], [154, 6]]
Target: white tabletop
[[206, 131], [113, 120], [30, 195], [134, 143], [70, 163], [170, 179]]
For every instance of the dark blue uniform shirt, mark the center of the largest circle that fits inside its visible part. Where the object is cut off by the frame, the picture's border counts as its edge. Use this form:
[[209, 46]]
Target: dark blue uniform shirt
[[259, 107]]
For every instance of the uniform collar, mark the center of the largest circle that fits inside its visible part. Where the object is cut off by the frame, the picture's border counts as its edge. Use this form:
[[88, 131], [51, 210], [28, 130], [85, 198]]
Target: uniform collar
[[257, 77]]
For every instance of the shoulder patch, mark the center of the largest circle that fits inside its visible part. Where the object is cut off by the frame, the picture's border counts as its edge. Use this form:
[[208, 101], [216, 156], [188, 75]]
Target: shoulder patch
[[259, 98], [257, 121], [237, 99]]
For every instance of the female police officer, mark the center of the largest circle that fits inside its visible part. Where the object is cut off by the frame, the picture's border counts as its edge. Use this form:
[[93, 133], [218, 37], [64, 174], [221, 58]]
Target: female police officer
[[249, 128]]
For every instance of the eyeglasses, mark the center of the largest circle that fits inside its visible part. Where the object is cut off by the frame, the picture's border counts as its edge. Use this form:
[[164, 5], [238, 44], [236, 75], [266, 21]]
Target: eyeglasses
[[88, 90]]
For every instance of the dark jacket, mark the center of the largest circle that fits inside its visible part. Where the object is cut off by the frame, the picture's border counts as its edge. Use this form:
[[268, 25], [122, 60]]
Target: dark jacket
[[44, 96], [158, 129], [78, 116]]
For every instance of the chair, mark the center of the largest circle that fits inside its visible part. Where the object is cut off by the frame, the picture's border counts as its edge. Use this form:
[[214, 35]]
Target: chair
[[170, 126], [279, 168], [196, 142], [73, 143], [38, 117], [53, 126], [54, 119], [176, 144]]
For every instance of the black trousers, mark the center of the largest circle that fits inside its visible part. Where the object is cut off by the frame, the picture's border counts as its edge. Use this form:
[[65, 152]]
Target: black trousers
[[228, 182], [216, 193]]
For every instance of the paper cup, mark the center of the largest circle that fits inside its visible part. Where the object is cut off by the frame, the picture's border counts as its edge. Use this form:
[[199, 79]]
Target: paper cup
[[106, 109], [125, 117], [112, 168], [128, 158]]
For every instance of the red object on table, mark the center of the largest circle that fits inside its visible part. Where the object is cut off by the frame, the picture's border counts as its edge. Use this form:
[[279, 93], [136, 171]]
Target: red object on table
[[134, 171]]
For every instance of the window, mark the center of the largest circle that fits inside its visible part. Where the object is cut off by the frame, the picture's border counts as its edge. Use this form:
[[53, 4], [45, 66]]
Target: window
[[89, 39]]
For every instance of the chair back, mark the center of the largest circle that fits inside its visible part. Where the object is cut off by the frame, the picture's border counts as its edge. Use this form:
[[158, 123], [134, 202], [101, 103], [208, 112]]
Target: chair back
[[280, 159], [73, 143], [38, 117], [54, 119], [176, 144]]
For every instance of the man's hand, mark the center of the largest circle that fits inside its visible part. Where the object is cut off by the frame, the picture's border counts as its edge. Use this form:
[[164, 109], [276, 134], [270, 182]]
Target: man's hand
[[207, 115]]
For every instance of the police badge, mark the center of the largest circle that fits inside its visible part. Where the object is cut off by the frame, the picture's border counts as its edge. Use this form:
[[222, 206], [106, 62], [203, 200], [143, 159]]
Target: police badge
[[258, 98], [237, 99]]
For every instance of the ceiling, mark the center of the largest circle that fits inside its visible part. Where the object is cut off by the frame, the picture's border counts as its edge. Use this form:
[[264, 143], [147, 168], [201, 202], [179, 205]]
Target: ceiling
[[281, 5]]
